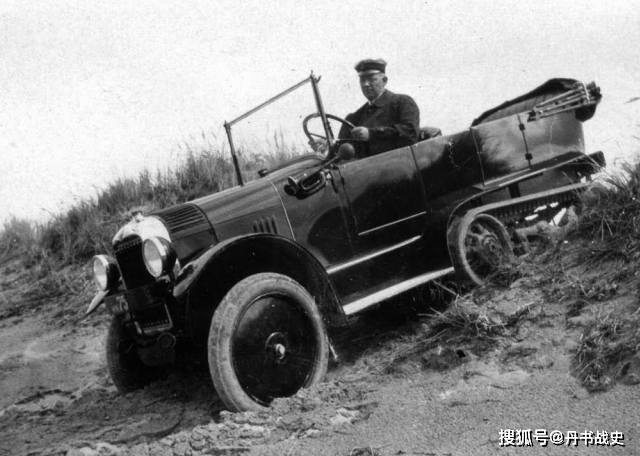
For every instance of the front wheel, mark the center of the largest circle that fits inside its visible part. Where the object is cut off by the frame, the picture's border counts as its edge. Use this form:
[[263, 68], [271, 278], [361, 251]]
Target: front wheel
[[125, 367], [267, 340]]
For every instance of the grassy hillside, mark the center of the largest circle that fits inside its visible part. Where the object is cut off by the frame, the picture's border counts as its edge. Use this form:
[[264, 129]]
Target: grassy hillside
[[47, 265], [611, 215], [76, 235]]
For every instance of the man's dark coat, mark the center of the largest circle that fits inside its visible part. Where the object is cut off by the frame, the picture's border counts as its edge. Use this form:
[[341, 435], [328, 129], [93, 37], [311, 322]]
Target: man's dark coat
[[393, 121]]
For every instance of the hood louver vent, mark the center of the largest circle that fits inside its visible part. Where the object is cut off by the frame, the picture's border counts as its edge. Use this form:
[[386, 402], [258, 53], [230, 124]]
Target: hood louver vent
[[183, 217], [265, 225]]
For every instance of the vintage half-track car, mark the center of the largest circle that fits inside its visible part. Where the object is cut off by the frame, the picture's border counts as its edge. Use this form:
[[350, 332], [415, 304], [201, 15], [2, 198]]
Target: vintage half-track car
[[257, 280]]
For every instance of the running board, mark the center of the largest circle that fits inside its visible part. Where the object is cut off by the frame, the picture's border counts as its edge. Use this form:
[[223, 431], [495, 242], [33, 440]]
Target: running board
[[394, 290]]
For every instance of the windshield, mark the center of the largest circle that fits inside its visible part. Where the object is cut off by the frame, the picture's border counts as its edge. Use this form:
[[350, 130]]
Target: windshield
[[271, 134]]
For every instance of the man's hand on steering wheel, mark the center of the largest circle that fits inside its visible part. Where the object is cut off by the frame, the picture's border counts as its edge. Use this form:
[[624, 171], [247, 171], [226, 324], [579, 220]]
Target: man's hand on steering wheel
[[321, 146], [360, 133]]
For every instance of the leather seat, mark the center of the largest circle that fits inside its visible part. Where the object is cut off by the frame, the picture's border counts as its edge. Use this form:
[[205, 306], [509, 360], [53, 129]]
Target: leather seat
[[428, 133]]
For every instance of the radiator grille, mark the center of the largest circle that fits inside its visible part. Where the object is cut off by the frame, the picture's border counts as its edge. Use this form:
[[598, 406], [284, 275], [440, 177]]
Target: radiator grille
[[131, 264]]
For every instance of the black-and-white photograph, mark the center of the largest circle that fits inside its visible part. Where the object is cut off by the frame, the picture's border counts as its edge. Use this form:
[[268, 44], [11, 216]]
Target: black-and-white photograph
[[341, 228]]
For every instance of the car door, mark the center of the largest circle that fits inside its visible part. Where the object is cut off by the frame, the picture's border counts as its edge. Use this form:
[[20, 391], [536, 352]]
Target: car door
[[385, 199], [384, 208], [318, 218]]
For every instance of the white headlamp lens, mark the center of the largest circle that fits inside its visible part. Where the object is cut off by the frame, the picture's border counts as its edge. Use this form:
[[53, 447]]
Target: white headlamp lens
[[105, 272], [157, 256]]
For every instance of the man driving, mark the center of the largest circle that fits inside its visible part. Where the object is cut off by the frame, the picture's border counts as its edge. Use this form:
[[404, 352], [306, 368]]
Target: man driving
[[387, 121]]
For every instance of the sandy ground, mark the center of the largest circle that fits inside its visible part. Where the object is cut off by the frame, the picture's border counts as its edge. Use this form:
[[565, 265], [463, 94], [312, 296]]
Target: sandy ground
[[449, 398]]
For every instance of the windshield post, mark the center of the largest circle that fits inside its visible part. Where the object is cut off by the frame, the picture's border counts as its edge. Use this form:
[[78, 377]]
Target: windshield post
[[323, 116], [234, 157]]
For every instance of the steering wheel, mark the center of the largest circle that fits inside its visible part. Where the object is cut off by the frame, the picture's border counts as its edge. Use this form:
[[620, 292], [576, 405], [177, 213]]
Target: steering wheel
[[329, 116]]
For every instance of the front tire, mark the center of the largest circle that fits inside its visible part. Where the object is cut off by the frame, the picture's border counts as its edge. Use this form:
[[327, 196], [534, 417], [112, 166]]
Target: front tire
[[125, 367], [267, 340]]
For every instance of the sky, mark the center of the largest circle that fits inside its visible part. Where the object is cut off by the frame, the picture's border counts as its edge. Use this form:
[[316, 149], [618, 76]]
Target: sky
[[93, 91]]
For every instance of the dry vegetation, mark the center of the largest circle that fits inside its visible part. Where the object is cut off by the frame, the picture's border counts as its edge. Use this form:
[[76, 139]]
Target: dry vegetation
[[611, 221], [56, 252], [611, 216], [87, 227]]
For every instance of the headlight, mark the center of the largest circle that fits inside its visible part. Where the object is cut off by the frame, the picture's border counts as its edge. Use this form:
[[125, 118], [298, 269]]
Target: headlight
[[159, 256], [105, 272]]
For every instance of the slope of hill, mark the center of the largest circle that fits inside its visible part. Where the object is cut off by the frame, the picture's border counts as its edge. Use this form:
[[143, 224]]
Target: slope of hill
[[551, 344]]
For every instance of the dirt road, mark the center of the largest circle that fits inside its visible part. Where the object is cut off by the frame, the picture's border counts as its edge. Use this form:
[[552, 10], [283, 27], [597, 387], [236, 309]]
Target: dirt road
[[510, 366]]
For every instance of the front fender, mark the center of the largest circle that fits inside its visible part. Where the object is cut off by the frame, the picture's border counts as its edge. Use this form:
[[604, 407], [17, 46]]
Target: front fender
[[193, 270], [205, 281]]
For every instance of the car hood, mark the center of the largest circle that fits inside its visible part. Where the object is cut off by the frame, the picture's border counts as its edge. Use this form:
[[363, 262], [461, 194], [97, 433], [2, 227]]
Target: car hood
[[253, 208], [256, 206], [254, 196], [238, 201]]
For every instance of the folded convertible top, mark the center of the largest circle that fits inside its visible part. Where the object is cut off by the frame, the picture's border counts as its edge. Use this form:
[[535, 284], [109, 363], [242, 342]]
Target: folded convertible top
[[526, 102]]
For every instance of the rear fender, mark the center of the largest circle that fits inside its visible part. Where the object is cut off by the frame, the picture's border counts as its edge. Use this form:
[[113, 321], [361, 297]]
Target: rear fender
[[205, 281], [578, 167], [587, 165]]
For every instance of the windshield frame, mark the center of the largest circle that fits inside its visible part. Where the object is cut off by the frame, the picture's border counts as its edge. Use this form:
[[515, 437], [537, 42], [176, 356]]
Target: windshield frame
[[320, 110]]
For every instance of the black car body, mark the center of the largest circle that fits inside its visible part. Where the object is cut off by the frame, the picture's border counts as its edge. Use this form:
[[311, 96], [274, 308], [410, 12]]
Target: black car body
[[349, 232]]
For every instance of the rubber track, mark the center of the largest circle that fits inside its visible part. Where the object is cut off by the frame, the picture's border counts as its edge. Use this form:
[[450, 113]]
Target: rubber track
[[518, 208]]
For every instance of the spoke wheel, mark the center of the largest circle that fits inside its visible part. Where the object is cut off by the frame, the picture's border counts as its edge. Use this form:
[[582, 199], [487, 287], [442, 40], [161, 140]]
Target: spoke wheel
[[479, 246], [267, 340]]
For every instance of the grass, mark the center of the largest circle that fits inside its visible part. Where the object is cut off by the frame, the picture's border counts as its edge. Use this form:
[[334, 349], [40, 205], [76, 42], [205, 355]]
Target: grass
[[17, 236], [604, 349], [88, 226], [610, 221], [73, 237], [459, 325], [611, 216]]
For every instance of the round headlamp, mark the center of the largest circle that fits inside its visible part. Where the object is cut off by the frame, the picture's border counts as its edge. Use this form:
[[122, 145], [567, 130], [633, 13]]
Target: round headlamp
[[159, 256], [105, 272]]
